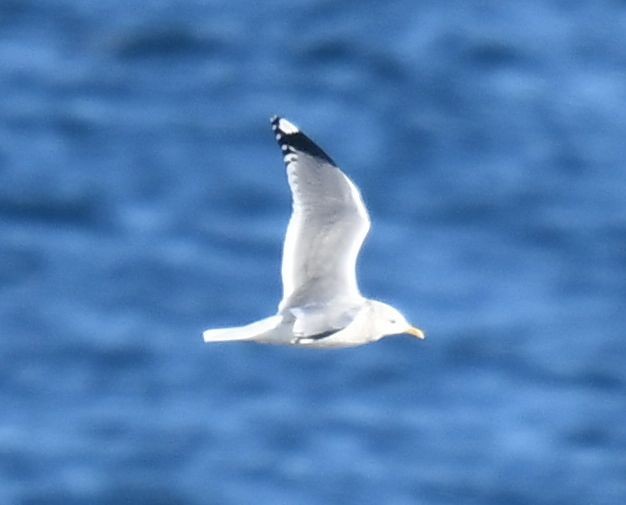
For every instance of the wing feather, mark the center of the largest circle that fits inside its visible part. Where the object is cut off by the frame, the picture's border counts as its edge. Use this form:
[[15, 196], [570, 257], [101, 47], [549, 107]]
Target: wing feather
[[327, 228]]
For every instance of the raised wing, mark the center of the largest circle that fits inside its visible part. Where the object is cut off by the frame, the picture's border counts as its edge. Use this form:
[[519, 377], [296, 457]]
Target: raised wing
[[327, 227]]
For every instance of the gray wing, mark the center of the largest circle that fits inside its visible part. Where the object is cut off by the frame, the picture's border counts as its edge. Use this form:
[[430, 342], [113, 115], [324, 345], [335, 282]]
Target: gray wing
[[327, 228]]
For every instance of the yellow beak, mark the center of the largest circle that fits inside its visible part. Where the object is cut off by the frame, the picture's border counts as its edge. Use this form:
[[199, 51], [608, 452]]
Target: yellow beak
[[416, 332]]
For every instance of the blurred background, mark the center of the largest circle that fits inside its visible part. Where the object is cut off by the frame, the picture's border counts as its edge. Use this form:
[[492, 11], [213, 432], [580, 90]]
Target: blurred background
[[143, 200]]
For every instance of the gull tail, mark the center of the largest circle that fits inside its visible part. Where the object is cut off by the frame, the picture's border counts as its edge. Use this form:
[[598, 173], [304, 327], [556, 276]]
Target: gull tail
[[252, 331]]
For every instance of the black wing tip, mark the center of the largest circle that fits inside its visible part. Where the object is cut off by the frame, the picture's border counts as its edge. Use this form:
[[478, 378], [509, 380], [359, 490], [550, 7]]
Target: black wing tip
[[291, 140]]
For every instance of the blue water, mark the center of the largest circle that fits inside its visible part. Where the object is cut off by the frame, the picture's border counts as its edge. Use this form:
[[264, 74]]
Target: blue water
[[143, 200]]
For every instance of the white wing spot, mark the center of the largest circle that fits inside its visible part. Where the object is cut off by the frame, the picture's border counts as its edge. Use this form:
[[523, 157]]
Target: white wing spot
[[287, 127]]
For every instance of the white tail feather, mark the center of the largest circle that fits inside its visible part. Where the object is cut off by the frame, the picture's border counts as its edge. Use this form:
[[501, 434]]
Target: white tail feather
[[251, 331]]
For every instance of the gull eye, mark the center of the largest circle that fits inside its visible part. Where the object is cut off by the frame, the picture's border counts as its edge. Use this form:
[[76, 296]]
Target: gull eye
[[392, 321]]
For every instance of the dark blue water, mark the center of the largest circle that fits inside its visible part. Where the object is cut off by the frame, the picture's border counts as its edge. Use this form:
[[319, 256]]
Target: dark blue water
[[143, 200]]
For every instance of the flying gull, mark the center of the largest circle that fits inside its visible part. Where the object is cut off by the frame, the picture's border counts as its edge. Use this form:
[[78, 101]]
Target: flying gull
[[321, 305]]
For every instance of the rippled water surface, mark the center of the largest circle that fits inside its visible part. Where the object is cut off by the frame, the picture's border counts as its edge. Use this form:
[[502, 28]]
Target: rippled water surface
[[142, 200]]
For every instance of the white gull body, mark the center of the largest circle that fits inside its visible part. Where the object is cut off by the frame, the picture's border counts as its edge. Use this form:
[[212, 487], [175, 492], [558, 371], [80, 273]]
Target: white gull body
[[321, 305]]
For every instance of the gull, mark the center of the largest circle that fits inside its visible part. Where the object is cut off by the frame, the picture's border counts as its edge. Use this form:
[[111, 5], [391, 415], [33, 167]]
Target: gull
[[322, 306]]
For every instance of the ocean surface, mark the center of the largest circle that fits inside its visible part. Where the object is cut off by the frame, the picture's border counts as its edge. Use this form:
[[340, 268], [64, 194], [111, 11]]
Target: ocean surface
[[143, 200]]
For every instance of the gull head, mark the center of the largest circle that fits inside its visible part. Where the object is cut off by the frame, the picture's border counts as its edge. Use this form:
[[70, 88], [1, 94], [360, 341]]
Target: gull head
[[389, 321]]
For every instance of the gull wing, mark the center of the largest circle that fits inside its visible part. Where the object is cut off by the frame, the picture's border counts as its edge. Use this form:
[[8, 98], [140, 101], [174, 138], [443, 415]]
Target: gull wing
[[327, 228]]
